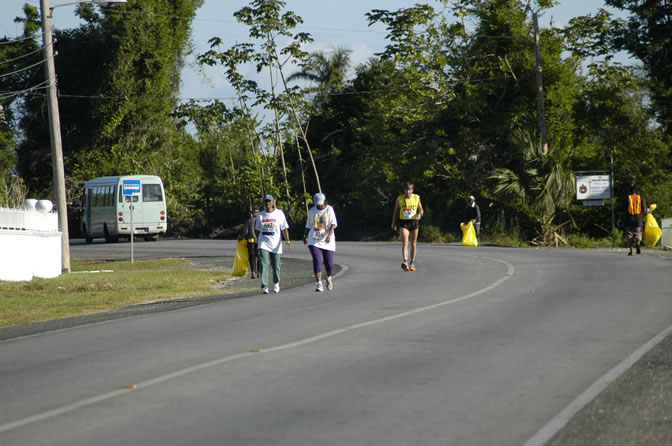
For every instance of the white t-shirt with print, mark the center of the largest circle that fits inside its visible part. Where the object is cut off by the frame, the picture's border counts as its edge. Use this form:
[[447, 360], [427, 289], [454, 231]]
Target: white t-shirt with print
[[270, 226], [319, 222]]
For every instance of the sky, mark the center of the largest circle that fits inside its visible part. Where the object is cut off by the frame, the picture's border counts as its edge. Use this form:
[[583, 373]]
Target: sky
[[331, 24]]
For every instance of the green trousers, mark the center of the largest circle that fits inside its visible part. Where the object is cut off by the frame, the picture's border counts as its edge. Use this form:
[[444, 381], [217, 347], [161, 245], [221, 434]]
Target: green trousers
[[264, 257]]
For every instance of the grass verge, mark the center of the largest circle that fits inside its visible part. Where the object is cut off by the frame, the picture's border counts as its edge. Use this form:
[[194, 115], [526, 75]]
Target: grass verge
[[115, 284]]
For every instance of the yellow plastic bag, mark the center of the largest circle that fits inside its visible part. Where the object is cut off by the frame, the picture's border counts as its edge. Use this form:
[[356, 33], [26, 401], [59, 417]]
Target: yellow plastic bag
[[652, 231], [469, 234], [240, 259]]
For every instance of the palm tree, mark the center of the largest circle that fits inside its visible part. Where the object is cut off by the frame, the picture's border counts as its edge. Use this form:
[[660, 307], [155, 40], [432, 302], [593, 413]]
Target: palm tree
[[327, 71], [539, 183]]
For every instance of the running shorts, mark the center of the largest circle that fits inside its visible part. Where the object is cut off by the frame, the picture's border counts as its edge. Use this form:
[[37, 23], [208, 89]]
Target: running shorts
[[411, 225]]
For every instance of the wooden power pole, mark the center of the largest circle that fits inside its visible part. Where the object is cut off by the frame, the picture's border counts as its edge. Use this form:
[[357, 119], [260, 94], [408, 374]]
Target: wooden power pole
[[540, 87]]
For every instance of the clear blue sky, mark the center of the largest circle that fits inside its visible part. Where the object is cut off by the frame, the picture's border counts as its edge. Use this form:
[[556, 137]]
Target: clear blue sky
[[331, 23]]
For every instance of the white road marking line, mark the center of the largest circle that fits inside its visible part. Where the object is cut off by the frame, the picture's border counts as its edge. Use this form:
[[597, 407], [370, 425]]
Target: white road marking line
[[544, 434], [179, 373]]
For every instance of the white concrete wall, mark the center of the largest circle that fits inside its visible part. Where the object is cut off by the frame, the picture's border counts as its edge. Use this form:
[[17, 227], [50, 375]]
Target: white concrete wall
[[30, 245], [666, 226], [28, 254]]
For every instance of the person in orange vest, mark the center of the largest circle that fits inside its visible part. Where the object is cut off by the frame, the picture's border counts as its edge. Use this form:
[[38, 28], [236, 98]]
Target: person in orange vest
[[633, 219]]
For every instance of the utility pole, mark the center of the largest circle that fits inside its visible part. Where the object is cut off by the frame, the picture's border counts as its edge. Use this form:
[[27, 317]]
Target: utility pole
[[611, 187], [540, 87], [55, 134]]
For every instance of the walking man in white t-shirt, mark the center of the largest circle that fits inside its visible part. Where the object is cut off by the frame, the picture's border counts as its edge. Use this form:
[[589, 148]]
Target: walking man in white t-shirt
[[271, 226]]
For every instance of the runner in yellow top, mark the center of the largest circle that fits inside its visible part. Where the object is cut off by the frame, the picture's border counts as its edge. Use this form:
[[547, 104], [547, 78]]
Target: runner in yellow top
[[408, 209]]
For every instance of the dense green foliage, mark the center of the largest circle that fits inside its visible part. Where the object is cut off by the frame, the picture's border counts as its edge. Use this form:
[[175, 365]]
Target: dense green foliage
[[647, 35], [450, 104]]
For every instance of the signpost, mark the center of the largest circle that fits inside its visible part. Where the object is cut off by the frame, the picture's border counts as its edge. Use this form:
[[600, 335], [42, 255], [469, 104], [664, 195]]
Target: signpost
[[592, 187], [595, 186], [131, 189]]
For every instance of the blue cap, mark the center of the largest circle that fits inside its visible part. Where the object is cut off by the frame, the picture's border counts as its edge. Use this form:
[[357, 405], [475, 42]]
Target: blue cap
[[319, 198], [268, 197]]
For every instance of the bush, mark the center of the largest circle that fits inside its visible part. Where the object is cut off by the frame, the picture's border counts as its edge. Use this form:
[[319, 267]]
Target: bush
[[584, 241], [511, 238], [431, 234]]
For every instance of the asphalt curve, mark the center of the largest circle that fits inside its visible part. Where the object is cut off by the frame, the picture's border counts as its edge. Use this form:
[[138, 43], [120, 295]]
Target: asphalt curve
[[478, 346]]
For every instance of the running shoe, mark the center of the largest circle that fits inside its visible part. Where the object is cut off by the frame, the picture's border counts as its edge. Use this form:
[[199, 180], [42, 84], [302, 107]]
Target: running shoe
[[411, 267], [276, 287], [319, 288], [404, 266], [330, 284], [264, 291]]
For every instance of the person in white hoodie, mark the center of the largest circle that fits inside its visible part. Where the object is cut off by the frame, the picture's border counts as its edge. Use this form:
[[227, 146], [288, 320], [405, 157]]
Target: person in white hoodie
[[320, 239]]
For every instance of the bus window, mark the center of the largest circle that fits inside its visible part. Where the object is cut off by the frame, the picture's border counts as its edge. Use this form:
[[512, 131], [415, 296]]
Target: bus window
[[128, 198], [121, 195], [151, 192]]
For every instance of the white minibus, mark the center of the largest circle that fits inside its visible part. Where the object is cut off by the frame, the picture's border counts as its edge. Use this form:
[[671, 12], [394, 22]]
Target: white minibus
[[106, 211]]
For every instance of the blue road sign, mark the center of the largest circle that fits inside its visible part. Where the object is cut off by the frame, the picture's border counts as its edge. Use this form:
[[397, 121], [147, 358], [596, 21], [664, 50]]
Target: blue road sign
[[130, 187]]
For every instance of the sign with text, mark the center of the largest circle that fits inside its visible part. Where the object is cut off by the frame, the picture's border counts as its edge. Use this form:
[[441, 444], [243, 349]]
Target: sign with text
[[593, 202], [130, 187], [593, 187]]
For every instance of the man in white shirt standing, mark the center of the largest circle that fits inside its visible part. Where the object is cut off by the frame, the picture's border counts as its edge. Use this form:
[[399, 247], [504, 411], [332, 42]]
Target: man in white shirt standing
[[271, 226]]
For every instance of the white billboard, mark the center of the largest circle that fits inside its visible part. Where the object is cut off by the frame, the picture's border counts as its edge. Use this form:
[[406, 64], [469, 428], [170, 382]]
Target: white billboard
[[593, 187]]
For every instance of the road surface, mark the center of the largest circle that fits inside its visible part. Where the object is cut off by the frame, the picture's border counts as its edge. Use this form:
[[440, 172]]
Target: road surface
[[479, 346]]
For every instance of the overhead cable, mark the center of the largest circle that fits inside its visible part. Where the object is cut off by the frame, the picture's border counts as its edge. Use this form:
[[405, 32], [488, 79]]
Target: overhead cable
[[23, 69], [8, 42]]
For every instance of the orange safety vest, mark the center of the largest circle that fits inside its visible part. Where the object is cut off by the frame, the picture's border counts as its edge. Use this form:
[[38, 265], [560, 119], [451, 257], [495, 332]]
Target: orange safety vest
[[634, 204]]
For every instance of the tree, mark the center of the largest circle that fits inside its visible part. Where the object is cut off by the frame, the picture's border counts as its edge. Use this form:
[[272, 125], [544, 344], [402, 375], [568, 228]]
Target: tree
[[647, 35], [118, 77], [328, 71], [229, 177], [539, 183], [20, 75], [135, 121]]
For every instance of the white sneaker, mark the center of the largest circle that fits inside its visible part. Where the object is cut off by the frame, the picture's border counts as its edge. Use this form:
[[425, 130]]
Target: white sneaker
[[276, 287], [264, 291], [319, 288], [330, 284]]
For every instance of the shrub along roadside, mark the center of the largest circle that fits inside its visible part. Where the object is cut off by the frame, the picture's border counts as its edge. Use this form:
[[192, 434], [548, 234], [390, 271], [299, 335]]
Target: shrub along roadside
[[116, 284]]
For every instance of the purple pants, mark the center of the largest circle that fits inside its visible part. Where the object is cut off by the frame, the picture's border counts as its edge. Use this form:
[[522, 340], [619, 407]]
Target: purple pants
[[318, 254]]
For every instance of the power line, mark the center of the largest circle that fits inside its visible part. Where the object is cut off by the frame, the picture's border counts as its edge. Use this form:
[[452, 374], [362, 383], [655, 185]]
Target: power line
[[10, 94], [2, 62], [344, 93], [22, 69], [9, 42]]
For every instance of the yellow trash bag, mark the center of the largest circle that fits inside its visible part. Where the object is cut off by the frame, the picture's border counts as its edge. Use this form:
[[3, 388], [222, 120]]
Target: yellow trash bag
[[469, 234], [652, 231], [241, 259]]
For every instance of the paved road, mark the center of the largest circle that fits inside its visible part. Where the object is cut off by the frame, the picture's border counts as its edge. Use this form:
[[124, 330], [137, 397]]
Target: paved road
[[487, 346]]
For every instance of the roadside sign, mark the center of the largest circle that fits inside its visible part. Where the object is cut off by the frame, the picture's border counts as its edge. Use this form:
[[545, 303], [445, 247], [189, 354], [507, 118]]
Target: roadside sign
[[593, 187], [593, 202], [130, 187]]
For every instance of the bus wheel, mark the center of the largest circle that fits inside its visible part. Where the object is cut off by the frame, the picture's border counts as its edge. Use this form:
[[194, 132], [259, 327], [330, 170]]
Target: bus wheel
[[87, 237], [108, 237]]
